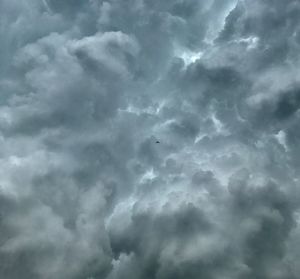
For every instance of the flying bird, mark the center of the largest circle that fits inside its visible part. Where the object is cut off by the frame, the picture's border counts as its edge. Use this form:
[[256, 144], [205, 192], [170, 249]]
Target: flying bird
[[157, 141]]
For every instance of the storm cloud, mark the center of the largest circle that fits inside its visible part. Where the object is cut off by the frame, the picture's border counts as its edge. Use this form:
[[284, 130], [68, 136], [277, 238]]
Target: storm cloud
[[149, 139]]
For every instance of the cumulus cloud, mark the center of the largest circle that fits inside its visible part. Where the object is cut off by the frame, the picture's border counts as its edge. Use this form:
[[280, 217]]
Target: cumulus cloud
[[149, 139]]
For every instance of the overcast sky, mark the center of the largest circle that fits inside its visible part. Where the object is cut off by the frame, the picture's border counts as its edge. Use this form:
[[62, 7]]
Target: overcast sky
[[87, 88]]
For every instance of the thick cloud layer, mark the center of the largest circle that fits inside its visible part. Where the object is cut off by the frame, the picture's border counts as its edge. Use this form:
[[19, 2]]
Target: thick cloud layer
[[89, 87]]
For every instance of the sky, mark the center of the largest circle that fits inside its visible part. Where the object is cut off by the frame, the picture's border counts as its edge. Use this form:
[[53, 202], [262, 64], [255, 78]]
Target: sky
[[88, 87]]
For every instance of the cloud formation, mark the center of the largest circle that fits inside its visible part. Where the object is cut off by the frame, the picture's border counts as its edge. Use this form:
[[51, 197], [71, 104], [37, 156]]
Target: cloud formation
[[89, 87]]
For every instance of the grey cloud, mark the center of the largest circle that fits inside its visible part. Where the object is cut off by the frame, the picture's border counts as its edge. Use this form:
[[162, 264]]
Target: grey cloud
[[73, 81], [89, 87], [288, 104]]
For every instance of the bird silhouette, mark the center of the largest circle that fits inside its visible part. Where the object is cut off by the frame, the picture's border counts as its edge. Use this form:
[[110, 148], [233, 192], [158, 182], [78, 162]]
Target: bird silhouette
[[157, 141]]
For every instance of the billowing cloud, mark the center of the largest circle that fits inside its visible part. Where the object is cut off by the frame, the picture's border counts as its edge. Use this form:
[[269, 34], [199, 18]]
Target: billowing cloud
[[149, 139]]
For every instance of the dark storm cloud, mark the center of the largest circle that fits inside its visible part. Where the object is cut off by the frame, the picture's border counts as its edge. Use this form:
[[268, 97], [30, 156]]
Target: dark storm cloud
[[87, 90]]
